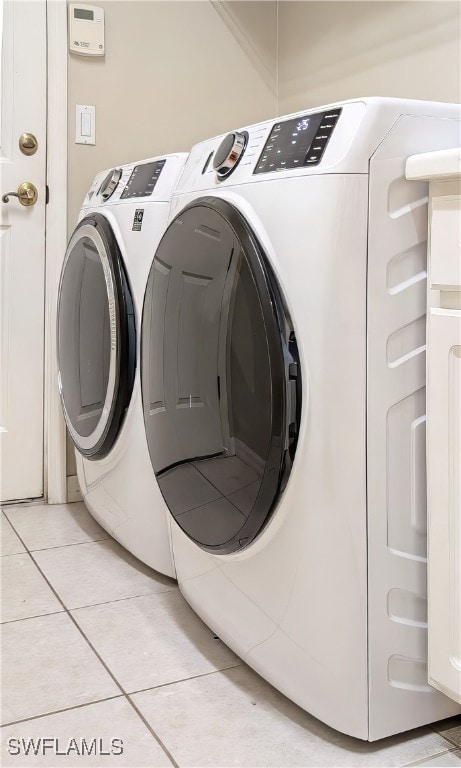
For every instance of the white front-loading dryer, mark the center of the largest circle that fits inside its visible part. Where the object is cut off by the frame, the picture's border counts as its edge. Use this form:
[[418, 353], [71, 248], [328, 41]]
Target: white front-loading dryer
[[283, 375], [101, 294]]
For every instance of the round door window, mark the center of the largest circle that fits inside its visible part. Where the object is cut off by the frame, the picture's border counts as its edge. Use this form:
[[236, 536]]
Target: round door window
[[96, 338], [220, 377]]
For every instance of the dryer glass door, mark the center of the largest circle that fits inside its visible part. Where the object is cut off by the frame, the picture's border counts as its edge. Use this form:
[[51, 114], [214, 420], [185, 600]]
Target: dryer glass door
[[96, 338], [221, 394]]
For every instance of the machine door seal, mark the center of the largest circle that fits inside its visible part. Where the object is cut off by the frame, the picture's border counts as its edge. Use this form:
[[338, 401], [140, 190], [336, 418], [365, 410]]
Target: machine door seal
[[220, 377], [96, 338]]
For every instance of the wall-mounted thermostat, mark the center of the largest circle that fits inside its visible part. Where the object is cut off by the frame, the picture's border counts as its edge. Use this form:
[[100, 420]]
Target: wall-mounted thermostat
[[86, 29]]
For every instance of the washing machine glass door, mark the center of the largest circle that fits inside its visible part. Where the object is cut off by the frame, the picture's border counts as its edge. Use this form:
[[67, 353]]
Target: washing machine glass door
[[96, 338], [220, 377]]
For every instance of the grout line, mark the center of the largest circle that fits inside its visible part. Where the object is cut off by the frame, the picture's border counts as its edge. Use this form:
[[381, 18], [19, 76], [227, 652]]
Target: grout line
[[70, 609], [14, 554], [26, 618], [125, 695], [67, 610], [449, 740], [74, 544], [101, 660], [61, 546], [152, 731], [428, 758], [65, 709], [123, 599], [56, 546], [184, 679], [444, 734], [38, 502], [222, 495]]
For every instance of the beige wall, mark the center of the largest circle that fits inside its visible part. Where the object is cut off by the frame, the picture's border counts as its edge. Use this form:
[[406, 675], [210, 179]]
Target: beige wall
[[179, 71], [173, 74], [330, 51]]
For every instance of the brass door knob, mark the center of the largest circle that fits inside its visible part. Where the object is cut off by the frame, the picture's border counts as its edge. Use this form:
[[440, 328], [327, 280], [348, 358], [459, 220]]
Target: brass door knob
[[27, 194], [28, 144]]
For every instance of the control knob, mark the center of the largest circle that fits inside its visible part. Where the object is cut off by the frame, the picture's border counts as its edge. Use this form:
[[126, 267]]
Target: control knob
[[229, 153], [109, 185]]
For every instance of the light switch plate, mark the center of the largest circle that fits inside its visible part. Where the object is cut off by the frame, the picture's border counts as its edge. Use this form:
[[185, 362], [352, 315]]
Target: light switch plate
[[85, 124]]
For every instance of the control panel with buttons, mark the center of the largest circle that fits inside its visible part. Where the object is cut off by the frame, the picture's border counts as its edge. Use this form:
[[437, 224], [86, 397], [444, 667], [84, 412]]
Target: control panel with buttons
[[143, 180], [298, 142]]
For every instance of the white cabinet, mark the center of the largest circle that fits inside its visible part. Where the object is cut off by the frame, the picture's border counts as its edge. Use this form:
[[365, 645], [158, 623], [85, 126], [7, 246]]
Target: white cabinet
[[444, 479], [443, 170]]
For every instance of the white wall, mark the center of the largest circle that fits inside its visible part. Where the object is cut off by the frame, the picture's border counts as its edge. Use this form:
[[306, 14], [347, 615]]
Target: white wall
[[330, 51]]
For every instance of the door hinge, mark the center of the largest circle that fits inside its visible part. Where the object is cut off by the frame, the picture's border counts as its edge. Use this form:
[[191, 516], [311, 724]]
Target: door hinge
[[47, 195]]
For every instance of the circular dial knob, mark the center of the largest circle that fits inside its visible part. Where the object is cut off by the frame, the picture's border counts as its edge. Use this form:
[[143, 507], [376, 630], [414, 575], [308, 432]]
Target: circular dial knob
[[109, 185], [229, 153]]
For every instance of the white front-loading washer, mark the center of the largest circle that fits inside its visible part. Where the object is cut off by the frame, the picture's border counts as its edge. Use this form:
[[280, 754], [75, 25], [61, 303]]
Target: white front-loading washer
[[101, 294], [283, 376]]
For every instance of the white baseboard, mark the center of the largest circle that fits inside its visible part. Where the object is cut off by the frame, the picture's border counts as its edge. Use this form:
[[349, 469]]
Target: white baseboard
[[73, 489]]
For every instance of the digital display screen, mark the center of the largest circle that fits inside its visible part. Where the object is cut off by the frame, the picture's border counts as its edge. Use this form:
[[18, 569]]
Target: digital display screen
[[298, 142], [82, 13], [143, 180]]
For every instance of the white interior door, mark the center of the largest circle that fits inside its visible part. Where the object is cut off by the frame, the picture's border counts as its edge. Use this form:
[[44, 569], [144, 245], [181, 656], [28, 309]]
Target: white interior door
[[22, 257]]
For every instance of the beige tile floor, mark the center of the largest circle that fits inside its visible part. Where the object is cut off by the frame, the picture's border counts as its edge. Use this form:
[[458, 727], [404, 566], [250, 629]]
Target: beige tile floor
[[97, 646]]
